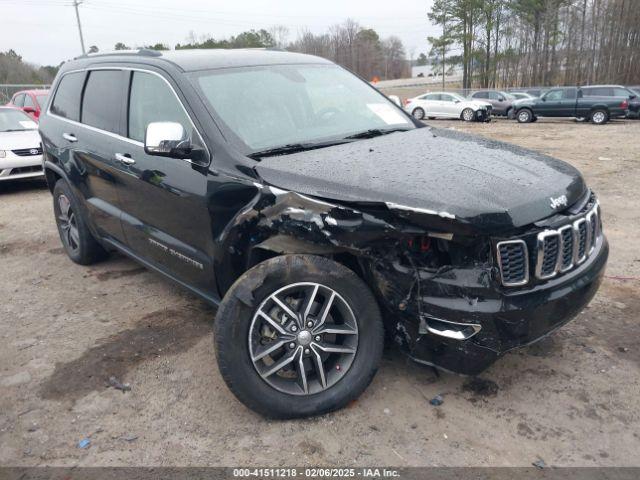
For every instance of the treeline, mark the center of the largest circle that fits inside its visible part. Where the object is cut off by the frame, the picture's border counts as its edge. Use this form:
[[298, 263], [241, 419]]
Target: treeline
[[349, 44], [538, 42], [13, 70]]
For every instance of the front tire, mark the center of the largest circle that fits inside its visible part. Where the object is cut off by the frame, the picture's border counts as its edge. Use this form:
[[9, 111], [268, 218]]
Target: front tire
[[418, 113], [524, 116], [77, 240], [468, 115], [599, 117], [298, 335]]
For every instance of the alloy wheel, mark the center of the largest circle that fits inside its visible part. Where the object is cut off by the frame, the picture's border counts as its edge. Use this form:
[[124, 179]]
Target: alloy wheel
[[467, 115], [67, 222], [598, 117], [303, 338]]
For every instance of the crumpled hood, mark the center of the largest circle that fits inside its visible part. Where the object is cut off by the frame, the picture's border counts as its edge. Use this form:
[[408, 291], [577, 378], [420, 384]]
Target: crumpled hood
[[19, 140], [434, 174]]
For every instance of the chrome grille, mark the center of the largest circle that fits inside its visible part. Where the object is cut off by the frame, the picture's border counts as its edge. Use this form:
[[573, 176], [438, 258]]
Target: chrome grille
[[557, 251], [513, 260], [560, 250], [27, 152]]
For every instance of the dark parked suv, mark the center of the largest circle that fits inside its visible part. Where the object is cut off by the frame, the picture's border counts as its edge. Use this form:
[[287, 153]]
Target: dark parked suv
[[318, 216]]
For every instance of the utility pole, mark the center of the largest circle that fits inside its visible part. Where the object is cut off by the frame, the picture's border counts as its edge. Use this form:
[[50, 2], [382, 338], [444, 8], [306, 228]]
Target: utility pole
[[444, 43], [75, 4]]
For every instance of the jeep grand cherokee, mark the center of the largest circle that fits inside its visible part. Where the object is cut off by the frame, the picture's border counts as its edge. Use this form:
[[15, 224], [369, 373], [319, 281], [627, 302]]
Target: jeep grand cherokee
[[317, 215]]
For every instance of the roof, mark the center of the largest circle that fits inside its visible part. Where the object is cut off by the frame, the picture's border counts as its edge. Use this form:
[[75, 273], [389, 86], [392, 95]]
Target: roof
[[36, 91], [207, 59]]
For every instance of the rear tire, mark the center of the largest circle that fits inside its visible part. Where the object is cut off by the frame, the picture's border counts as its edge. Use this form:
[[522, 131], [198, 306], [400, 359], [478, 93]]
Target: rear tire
[[77, 240], [524, 116], [254, 334], [418, 113], [599, 117]]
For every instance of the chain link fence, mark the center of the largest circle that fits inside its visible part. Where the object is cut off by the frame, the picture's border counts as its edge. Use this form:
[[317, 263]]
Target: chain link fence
[[8, 90]]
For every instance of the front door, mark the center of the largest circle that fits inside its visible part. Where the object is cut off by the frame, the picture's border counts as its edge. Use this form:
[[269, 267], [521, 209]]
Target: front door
[[165, 213]]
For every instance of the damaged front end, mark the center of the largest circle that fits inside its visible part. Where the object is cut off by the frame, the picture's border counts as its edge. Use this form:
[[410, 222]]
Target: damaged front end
[[437, 279]]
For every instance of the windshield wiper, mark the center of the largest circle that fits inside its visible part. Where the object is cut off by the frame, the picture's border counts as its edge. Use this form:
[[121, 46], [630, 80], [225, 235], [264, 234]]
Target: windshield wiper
[[292, 148], [16, 130], [376, 132]]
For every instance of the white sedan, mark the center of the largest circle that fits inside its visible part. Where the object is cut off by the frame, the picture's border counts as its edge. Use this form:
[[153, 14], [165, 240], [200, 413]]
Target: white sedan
[[448, 105], [20, 149]]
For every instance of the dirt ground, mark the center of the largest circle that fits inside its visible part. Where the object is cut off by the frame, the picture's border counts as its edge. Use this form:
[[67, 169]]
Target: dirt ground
[[571, 400]]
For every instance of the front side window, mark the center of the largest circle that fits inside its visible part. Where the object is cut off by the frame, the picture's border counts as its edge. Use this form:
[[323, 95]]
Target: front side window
[[446, 98], [554, 95], [103, 99], [28, 101], [42, 100], [66, 102], [151, 100], [275, 105], [570, 93]]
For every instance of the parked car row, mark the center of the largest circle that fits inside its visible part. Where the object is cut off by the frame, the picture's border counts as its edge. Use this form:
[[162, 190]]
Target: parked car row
[[596, 103]]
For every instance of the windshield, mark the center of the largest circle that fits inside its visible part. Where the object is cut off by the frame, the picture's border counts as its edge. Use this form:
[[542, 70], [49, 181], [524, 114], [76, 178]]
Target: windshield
[[271, 106], [15, 121], [42, 100]]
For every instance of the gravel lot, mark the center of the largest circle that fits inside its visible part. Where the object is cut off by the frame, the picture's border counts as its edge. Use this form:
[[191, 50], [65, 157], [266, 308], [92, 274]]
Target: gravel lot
[[571, 400]]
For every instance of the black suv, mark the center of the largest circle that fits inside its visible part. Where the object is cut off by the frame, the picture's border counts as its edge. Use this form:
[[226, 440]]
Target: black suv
[[309, 207]]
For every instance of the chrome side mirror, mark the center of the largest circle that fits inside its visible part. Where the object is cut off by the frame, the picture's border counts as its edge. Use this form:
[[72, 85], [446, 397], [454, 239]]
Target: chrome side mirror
[[167, 139]]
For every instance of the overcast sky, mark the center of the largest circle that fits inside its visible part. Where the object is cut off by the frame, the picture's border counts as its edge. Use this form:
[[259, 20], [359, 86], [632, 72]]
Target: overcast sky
[[45, 31]]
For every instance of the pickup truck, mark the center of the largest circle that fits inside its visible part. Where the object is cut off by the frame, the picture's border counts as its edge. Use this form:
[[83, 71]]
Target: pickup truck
[[571, 102]]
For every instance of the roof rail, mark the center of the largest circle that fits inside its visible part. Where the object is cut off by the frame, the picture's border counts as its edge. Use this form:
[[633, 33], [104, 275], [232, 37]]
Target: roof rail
[[146, 52]]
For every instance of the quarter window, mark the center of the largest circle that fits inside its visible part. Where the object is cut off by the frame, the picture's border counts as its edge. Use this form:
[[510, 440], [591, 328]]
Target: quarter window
[[18, 100], [151, 100], [103, 99], [66, 103]]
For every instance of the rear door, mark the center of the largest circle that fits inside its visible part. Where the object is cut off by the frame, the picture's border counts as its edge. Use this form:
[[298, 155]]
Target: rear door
[[93, 141], [432, 105], [165, 213]]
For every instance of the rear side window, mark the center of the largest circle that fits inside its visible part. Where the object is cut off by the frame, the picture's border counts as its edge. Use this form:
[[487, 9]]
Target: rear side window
[[433, 97], [66, 103], [597, 92], [152, 100], [103, 99], [480, 95], [18, 100]]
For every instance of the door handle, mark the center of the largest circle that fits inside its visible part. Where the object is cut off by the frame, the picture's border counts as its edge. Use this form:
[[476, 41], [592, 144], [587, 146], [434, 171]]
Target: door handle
[[70, 137], [125, 158]]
